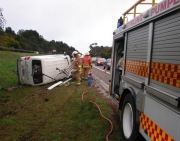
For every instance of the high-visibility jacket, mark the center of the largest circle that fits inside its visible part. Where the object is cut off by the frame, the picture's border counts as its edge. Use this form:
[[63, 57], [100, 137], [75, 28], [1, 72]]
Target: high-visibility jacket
[[77, 64], [86, 63]]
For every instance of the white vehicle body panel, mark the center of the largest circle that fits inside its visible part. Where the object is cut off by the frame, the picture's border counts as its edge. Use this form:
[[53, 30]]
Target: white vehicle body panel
[[50, 66]]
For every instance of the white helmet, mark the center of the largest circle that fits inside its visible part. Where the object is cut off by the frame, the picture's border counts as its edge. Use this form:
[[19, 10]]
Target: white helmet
[[74, 52], [82, 56], [87, 53]]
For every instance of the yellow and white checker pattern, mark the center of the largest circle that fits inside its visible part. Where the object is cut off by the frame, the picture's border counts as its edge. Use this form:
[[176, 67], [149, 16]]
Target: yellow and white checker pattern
[[153, 130], [166, 73]]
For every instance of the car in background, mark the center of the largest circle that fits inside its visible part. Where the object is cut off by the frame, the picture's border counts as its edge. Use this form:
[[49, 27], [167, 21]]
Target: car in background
[[100, 61], [93, 59], [36, 52], [107, 64]]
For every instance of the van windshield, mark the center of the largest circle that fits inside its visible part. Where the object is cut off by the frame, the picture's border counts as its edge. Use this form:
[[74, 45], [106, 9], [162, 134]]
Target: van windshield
[[37, 71]]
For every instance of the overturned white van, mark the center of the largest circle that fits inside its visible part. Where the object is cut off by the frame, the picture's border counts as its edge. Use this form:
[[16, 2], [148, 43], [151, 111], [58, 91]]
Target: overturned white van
[[39, 70]]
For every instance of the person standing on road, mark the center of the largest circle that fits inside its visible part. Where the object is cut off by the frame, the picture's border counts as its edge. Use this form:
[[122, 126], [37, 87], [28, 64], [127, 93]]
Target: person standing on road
[[105, 66], [86, 64], [77, 65]]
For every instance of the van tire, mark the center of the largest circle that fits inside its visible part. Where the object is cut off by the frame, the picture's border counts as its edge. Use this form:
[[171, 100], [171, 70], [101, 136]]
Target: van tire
[[129, 127]]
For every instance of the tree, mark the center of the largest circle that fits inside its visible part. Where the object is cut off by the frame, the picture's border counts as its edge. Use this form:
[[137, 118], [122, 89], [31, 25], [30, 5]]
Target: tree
[[100, 51], [9, 31], [9, 42], [31, 40], [2, 20]]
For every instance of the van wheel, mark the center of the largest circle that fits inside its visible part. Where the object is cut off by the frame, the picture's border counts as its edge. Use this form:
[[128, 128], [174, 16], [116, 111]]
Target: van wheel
[[128, 119]]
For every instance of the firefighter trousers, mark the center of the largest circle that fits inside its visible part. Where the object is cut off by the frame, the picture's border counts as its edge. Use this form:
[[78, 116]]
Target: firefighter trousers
[[85, 72], [77, 77]]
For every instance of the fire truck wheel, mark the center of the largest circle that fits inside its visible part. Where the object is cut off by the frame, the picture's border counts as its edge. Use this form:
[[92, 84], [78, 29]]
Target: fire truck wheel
[[128, 119]]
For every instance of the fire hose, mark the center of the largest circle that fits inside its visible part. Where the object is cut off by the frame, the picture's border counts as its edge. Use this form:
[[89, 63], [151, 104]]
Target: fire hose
[[97, 106]]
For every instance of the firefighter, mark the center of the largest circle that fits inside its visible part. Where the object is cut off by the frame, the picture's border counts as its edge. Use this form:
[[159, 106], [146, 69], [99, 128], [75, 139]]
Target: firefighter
[[120, 64], [77, 65], [82, 69], [119, 68], [86, 64], [120, 22]]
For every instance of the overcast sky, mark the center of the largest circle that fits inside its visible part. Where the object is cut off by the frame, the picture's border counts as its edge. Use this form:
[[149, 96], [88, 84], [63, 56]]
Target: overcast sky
[[75, 22]]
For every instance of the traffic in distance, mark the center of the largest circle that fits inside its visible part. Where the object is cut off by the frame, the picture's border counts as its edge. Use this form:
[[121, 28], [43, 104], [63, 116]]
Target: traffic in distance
[[102, 63]]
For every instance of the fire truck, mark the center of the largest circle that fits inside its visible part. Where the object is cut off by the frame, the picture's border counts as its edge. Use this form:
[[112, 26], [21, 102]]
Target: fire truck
[[148, 88]]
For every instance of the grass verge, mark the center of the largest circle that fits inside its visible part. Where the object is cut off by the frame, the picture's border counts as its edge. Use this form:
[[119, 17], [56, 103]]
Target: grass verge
[[34, 113], [8, 68]]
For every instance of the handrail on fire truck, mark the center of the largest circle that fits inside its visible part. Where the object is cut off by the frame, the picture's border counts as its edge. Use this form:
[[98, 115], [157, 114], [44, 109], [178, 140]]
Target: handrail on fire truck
[[134, 7]]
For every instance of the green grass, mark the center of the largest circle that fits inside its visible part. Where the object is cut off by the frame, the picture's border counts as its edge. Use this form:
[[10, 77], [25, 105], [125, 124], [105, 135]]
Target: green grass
[[9, 120], [8, 68], [34, 113]]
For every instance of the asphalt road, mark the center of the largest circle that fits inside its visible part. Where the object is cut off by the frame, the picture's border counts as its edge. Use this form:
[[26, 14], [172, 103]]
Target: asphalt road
[[102, 76], [101, 68]]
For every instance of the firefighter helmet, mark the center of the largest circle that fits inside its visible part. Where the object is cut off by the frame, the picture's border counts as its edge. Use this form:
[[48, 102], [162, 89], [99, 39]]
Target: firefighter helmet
[[87, 53], [74, 52]]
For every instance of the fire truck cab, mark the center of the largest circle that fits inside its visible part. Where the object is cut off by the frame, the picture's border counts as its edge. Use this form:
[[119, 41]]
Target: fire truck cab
[[148, 88]]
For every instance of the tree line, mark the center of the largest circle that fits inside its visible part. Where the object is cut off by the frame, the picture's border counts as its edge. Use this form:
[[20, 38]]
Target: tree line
[[31, 40], [100, 51]]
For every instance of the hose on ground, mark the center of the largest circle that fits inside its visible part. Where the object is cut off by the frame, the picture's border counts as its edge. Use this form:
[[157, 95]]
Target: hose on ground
[[97, 106]]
